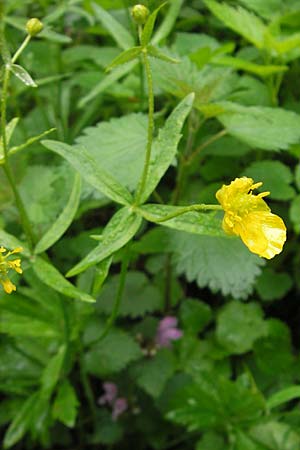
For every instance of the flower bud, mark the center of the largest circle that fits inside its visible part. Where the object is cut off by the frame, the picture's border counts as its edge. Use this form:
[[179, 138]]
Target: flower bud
[[34, 26], [140, 14]]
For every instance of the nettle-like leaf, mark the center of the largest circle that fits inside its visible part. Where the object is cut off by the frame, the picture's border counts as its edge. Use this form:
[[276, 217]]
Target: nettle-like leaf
[[262, 127], [241, 21], [276, 178], [221, 263], [139, 296], [111, 354], [153, 374], [121, 143], [239, 325], [214, 402]]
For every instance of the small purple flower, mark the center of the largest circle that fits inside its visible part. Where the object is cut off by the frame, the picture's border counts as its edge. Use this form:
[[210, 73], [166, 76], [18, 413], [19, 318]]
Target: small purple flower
[[167, 331], [120, 406], [110, 394]]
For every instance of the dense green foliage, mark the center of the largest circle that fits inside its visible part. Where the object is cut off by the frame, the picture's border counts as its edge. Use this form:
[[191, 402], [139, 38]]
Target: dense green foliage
[[127, 330]]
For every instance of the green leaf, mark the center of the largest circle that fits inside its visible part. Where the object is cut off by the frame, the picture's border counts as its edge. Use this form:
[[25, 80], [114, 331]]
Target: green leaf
[[106, 82], [10, 128], [21, 422], [117, 145], [241, 21], [203, 223], [52, 371], [168, 22], [112, 354], [65, 404], [195, 315], [294, 213], [165, 145], [276, 178], [156, 53], [221, 263], [262, 127], [273, 285], [10, 242], [63, 221], [120, 34], [247, 66], [125, 57], [90, 170], [149, 25], [152, 375], [283, 396], [239, 325], [49, 275], [23, 75], [212, 402], [120, 229], [275, 435], [139, 296]]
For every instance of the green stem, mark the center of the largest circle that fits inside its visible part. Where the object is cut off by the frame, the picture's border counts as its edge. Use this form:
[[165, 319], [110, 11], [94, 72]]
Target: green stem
[[180, 211], [87, 387], [6, 166], [209, 141], [150, 126], [111, 320], [21, 48]]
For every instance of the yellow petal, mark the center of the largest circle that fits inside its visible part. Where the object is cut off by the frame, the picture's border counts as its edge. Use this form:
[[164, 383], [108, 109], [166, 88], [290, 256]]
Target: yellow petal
[[8, 285], [264, 233]]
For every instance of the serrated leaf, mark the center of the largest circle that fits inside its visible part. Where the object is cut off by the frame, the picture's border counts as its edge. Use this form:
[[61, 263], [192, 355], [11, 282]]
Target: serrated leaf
[[262, 127], [165, 145], [63, 221], [120, 34], [149, 25], [49, 275], [23, 75], [91, 171], [105, 83], [241, 21], [120, 229], [203, 223], [276, 178], [124, 57], [221, 263], [65, 404], [212, 402], [139, 296], [112, 354], [152, 375], [275, 435], [239, 325], [117, 145]]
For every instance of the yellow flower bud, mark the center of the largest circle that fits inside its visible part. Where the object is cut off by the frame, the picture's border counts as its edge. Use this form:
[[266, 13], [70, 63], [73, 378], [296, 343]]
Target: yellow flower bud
[[140, 14], [34, 26]]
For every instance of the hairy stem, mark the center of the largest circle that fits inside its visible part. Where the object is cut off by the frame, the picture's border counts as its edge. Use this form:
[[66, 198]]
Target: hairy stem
[[150, 126]]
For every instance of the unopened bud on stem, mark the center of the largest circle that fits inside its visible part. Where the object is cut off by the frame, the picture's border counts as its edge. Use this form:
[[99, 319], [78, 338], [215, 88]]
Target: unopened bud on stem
[[34, 26], [140, 14]]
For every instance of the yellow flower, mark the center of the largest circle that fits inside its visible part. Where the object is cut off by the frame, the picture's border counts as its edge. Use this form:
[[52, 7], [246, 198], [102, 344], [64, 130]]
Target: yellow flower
[[6, 265], [248, 216]]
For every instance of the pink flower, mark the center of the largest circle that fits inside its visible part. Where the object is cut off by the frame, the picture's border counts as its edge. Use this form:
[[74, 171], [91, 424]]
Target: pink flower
[[167, 331], [110, 394], [120, 406]]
